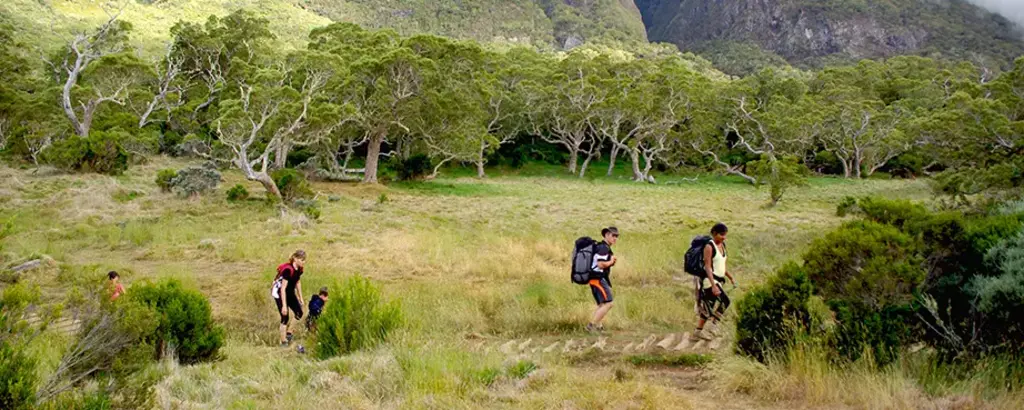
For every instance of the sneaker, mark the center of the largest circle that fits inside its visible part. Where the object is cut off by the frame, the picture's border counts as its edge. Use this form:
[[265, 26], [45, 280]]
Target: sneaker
[[284, 344], [289, 337], [592, 329], [301, 349]]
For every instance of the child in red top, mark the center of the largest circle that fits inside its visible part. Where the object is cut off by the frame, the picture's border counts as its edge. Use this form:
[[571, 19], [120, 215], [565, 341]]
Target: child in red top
[[116, 289]]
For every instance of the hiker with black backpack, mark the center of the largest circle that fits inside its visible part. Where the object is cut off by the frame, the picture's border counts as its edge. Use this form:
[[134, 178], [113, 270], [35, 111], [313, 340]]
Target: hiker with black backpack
[[592, 265], [706, 261]]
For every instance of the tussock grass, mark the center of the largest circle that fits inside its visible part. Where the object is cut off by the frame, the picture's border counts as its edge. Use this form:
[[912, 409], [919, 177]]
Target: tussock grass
[[808, 375]]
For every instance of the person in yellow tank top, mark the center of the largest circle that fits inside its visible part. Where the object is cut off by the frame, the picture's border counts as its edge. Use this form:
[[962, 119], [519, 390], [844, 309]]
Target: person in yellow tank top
[[711, 298]]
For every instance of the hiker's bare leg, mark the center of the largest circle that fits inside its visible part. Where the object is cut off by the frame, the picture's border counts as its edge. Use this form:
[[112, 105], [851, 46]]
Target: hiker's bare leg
[[600, 313], [284, 333]]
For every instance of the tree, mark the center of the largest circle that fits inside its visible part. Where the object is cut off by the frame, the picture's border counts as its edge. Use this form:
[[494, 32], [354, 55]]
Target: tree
[[385, 78], [571, 97], [625, 113], [503, 86], [106, 72], [248, 118], [674, 96], [767, 115], [451, 112], [206, 53], [780, 174]]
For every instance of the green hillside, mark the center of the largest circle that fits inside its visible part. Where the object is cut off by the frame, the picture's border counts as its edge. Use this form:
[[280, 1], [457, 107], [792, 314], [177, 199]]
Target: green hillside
[[545, 23]]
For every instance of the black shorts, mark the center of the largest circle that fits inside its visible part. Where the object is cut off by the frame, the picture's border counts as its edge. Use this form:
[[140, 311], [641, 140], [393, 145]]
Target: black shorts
[[293, 304], [602, 291]]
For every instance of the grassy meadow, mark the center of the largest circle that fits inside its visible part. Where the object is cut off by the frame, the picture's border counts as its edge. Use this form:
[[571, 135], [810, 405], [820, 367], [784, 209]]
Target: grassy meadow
[[471, 261]]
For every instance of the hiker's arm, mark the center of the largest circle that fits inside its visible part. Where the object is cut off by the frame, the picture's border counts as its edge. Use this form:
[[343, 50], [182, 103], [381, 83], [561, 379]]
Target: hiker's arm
[[606, 264], [298, 289], [729, 275], [280, 295]]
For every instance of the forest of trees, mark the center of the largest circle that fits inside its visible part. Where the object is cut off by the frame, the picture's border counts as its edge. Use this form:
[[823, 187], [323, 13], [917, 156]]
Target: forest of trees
[[355, 96]]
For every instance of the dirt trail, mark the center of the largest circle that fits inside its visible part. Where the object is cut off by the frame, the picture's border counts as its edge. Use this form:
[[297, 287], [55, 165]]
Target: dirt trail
[[693, 382]]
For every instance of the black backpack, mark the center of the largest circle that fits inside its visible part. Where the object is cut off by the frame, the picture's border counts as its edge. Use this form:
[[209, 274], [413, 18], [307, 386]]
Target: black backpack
[[694, 262], [582, 260]]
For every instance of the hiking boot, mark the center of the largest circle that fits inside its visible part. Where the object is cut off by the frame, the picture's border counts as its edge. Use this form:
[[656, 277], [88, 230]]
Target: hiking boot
[[289, 337], [592, 328], [713, 330], [699, 335]]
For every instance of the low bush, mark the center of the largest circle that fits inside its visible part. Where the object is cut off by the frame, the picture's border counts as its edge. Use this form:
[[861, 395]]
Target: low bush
[[779, 174], [164, 178], [195, 180], [185, 326], [100, 152], [866, 263], [238, 193], [847, 206], [355, 319], [898, 213], [771, 316], [413, 168], [880, 331], [292, 184], [17, 376], [1000, 298], [309, 207]]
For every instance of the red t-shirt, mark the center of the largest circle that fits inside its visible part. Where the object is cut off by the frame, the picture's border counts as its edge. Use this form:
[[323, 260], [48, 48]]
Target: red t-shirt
[[118, 291]]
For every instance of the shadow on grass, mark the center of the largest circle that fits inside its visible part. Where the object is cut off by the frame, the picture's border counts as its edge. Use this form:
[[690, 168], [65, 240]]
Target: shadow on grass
[[434, 188]]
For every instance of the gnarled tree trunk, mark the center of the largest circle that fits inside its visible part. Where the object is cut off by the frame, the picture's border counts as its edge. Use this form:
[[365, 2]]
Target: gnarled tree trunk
[[373, 157]]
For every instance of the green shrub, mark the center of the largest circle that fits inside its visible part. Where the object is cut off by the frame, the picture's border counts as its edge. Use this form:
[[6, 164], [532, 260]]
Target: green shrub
[[164, 178], [901, 214], [292, 184], [882, 332], [238, 193], [185, 323], [413, 168], [17, 377], [1000, 298], [847, 206], [867, 264], [195, 180], [779, 174], [771, 316], [309, 207], [101, 152], [355, 319]]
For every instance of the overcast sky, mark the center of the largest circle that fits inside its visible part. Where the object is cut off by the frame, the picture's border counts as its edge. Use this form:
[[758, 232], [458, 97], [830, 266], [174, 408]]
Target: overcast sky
[[1011, 9]]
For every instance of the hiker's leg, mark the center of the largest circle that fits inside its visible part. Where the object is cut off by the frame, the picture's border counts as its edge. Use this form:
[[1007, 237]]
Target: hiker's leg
[[723, 304], [603, 296], [601, 312], [284, 321]]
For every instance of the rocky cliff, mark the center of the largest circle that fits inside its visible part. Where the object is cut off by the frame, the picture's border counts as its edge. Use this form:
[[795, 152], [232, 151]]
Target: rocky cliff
[[814, 32]]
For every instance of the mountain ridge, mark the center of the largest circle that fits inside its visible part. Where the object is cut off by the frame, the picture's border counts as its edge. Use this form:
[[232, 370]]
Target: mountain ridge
[[813, 33]]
